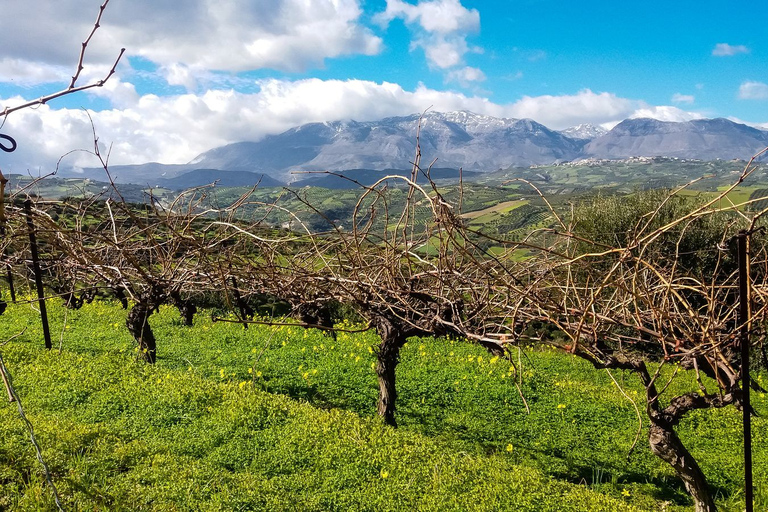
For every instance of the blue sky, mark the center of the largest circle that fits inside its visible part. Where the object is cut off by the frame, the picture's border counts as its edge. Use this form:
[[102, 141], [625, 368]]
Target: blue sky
[[201, 73]]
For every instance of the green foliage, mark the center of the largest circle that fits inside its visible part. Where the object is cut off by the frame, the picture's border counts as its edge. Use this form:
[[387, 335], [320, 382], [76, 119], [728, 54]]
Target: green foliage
[[625, 176], [283, 418], [621, 221]]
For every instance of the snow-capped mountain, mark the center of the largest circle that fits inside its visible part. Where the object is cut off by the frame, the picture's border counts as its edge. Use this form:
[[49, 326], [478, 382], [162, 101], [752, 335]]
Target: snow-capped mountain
[[703, 139], [584, 132], [458, 140]]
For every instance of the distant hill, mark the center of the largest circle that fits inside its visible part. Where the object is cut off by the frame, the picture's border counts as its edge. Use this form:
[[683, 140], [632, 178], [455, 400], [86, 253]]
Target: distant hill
[[200, 177], [702, 139], [452, 140], [368, 177]]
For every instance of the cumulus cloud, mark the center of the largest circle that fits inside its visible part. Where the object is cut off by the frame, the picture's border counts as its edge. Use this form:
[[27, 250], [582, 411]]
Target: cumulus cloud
[[175, 129], [236, 35], [444, 53], [563, 111], [438, 16], [683, 98], [727, 50], [467, 75], [750, 90], [440, 27], [26, 73], [179, 74], [665, 113]]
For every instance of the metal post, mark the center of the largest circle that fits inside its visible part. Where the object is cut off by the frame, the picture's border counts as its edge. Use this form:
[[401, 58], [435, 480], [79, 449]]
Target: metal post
[[3, 182], [10, 286], [38, 274], [743, 319]]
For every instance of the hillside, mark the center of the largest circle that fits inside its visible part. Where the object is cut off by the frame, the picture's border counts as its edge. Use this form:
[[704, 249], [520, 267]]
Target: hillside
[[456, 140]]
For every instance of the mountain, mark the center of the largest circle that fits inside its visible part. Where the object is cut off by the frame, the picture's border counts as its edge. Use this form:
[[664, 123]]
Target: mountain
[[585, 132], [457, 139], [201, 177], [451, 140], [142, 174], [702, 139]]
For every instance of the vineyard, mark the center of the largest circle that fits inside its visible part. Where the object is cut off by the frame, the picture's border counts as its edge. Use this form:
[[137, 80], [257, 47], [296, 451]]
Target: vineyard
[[393, 342], [284, 418], [641, 289]]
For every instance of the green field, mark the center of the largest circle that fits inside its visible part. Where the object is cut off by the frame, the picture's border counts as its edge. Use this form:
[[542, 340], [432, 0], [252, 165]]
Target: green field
[[492, 212], [282, 418], [501, 206]]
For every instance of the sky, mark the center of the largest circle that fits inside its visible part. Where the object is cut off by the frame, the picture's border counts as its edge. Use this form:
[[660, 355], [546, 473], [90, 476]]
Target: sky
[[198, 74]]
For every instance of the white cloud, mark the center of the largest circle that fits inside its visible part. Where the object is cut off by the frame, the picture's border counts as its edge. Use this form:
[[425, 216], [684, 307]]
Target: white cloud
[[238, 35], [444, 53], [665, 113], [440, 27], [179, 74], [175, 129], [750, 90], [727, 50], [436, 16], [563, 111], [120, 94], [26, 73], [233, 35], [467, 75], [683, 98]]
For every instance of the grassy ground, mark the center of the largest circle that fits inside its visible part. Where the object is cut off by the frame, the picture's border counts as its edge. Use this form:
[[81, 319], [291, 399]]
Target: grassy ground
[[282, 418]]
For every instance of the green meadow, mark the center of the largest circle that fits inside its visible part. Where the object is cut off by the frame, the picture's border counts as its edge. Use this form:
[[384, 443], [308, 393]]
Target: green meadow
[[283, 418]]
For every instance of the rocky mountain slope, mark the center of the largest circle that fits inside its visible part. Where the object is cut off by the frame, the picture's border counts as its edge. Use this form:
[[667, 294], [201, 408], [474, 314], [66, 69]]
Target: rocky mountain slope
[[457, 140], [703, 139]]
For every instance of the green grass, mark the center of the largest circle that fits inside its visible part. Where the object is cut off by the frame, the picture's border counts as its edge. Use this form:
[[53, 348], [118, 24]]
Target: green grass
[[282, 418], [494, 211]]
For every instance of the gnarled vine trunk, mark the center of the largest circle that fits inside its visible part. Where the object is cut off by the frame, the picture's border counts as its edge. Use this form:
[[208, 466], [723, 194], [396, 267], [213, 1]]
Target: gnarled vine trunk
[[663, 440], [186, 308], [138, 326], [387, 357], [666, 445]]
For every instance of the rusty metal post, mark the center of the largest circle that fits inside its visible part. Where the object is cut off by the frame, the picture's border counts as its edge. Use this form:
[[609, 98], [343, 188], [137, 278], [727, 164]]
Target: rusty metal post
[[3, 182], [743, 319], [38, 274]]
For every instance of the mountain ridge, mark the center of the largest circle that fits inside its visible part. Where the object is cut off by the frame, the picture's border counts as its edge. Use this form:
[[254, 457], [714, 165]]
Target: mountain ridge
[[459, 139]]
